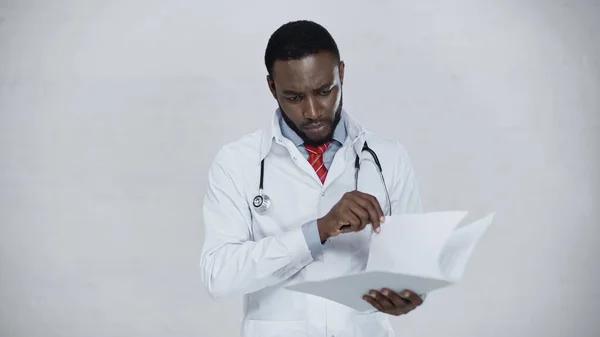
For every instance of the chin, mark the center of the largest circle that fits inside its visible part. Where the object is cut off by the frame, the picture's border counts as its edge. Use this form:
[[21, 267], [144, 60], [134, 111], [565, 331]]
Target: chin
[[320, 139]]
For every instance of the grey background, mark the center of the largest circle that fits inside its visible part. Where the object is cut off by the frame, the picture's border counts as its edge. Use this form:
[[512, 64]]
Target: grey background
[[111, 112]]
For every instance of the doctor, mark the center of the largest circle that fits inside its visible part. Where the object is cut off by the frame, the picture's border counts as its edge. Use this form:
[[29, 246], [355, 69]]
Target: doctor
[[287, 204]]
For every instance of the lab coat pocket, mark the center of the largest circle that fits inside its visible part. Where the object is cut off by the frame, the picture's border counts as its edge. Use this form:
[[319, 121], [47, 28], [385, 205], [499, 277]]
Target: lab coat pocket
[[264, 328], [371, 324]]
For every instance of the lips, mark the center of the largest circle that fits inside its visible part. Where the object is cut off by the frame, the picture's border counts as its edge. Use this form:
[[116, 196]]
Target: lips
[[314, 126]]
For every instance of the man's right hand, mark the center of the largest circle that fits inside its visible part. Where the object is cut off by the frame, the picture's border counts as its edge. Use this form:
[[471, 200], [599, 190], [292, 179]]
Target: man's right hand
[[351, 214]]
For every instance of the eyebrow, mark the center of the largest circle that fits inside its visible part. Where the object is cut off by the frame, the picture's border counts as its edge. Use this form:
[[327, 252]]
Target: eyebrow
[[322, 87], [290, 92], [326, 86]]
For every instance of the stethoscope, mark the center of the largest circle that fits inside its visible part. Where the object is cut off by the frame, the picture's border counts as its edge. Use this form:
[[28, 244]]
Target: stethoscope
[[262, 202]]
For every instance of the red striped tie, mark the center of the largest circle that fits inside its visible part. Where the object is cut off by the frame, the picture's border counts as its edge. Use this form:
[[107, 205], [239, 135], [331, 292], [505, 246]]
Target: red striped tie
[[315, 158]]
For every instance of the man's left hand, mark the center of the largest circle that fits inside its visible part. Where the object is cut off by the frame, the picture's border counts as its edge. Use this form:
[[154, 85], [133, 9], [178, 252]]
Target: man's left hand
[[393, 303]]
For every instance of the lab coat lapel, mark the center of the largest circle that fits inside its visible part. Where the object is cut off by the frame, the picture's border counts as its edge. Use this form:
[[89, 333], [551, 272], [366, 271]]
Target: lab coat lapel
[[344, 158], [273, 135]]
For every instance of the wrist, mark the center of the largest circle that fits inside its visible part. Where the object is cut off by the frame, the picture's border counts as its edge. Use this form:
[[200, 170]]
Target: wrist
[[322, 233]]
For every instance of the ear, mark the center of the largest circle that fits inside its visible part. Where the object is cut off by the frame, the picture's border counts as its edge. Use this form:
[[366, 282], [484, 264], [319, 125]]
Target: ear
[[271, 85], [341, 70]]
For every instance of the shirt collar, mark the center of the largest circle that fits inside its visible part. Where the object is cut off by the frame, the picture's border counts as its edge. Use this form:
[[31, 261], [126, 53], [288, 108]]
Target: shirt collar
[[349, 128], [339, 134]]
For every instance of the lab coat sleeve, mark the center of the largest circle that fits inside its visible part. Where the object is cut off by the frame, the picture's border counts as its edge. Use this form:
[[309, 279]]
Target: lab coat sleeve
[[312, 237], [232, 263], [404, 192]]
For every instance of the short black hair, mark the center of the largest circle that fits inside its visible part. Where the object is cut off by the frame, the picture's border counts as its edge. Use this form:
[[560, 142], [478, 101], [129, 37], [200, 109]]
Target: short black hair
[[296, 40]]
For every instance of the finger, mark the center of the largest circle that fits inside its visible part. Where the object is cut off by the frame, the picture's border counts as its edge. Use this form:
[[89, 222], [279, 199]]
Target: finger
[[412, 297], [395, 298], [374, 200], [366, 203], [361, 213], [380, 215], [350, 221], [373, 302], [377, 207], [385, 302], [405, 310], [375, 219]]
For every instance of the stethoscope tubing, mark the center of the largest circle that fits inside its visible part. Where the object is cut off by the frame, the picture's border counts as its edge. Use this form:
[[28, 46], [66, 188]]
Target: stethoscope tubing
[[262, 202]]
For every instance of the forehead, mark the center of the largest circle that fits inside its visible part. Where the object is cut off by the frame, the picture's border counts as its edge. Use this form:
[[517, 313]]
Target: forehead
[[310, 72]]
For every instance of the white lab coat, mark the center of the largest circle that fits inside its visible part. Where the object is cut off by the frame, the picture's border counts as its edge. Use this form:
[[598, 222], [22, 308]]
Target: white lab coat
[[255, 255]]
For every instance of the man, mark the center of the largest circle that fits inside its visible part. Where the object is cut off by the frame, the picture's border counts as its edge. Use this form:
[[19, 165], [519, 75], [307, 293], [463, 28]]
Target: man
[[317, 224]]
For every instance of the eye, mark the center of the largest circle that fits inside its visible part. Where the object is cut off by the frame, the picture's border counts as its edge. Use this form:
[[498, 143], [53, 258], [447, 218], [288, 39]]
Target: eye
[[294, 98], [324, 92]]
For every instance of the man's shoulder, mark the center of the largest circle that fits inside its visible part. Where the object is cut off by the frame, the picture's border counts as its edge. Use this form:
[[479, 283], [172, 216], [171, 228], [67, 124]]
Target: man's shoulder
[[240, 151], [385, 144], [249, 142], [393, 154]]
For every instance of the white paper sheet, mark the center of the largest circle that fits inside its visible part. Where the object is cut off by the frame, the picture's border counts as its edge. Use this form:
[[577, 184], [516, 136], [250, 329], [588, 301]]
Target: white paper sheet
[[412, 244], [420, 252], [458, 248]]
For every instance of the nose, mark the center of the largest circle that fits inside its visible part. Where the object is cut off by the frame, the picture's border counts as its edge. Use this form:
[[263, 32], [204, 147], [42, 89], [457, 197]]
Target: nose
[[312, 109]]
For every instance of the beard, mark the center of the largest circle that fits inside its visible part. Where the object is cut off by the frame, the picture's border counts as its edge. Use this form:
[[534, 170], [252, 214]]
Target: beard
[[315, 142]]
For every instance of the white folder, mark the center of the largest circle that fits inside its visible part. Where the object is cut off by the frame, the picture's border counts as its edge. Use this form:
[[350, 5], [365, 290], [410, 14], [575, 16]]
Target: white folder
[[419, 252]]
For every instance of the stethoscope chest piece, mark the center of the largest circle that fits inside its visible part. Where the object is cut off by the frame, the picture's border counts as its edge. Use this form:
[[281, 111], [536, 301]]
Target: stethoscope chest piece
[[261, 203]]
